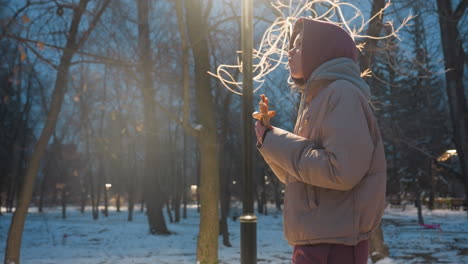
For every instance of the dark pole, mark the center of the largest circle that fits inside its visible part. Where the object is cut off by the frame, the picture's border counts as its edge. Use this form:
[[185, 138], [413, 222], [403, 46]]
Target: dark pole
[[106, 212], [248, 219]]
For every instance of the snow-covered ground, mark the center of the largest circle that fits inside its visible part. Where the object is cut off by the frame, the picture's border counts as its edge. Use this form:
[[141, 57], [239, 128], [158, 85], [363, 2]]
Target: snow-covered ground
[[410, 243], [78, 239]]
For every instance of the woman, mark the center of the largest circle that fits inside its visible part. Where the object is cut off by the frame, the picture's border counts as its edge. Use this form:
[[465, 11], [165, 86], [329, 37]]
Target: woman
[[333, 165]]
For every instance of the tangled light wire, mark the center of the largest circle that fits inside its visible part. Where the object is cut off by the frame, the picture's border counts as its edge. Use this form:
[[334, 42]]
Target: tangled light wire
[[273, 48]]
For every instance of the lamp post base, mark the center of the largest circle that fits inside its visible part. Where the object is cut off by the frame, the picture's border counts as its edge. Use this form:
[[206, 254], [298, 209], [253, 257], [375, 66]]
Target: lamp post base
[[248, 238]]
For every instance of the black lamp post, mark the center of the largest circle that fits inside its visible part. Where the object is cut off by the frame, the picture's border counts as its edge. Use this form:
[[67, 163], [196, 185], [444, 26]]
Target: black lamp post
[[248, 219]]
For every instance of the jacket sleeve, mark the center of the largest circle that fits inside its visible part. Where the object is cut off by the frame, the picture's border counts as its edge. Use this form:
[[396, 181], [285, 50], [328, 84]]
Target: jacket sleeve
[[347, 146], [278, 171]]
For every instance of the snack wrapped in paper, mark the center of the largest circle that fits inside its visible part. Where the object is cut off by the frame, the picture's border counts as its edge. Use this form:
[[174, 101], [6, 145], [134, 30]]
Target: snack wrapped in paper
[[264, 115]]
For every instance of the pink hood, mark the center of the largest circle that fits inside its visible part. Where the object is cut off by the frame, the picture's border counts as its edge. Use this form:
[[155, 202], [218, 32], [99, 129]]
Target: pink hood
[[322, 42]]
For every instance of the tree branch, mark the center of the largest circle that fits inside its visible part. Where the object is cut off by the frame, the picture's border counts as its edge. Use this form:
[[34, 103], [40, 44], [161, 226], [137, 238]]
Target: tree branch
[[185, 54], [13, 18], [41, 57], [99, 57], [460, 10], [93, 24]]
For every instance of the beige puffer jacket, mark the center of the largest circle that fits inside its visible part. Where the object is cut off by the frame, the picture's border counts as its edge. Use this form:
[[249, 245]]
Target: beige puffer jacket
[[333, 166]]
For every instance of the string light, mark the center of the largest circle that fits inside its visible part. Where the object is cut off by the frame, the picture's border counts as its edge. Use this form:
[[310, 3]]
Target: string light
[[273, 48]]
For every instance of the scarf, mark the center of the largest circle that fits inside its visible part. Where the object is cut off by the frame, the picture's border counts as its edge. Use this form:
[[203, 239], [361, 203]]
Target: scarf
[[340, 69]]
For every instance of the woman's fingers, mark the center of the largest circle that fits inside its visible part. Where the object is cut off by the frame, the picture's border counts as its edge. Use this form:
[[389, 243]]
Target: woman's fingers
[[263, 108], [263, 114], [264, 99], [257, 115]]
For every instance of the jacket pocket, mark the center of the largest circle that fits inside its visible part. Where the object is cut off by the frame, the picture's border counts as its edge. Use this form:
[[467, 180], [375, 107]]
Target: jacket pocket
[[296, 197], [313, 195]]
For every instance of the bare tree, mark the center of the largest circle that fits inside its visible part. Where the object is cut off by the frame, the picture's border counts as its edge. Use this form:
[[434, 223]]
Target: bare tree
[[74, 42], [452, 46], [197, 28], [153, 192], [377, 247]]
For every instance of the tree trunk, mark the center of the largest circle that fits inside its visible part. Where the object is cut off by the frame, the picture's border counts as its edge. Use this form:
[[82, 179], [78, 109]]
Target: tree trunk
[[16, 166], [432, 174], [264, 197], [117, 201], [375, 27], [88, 179], [10, 196], [176, 206], [82, 197], [131, 184], [454, 56], [225, 203], [16, 178], [184, 212], [153, 189], [183, 195], [225, 166], [261, 195], [169, 213], [64, 203], [94, 205], [378, 249], [258, 198], [106, 203], [175, 173], [225, 195], [12, 252], [184, 185], [142, 203], [186, 94], [130, 206], [42, 191], [207, 244], [419, 206], [98, 193], [94, 202], [198, 188]]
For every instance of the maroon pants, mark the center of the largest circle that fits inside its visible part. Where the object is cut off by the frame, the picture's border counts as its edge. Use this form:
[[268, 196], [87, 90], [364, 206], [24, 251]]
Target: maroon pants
[[331, 254]]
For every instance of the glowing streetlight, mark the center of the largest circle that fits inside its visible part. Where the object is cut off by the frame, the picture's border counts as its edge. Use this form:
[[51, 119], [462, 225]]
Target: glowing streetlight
[[452, 152], [447, 155]]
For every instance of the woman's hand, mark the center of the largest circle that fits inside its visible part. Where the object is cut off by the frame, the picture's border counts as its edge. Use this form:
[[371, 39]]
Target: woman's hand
[[260, 130], [264, 116]]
